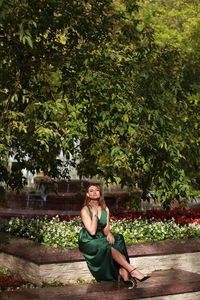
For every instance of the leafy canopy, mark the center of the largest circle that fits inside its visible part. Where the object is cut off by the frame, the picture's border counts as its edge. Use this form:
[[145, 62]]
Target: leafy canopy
[[97, 81]]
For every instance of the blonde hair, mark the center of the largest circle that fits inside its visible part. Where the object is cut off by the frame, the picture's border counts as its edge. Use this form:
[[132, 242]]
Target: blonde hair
[[101, 199]]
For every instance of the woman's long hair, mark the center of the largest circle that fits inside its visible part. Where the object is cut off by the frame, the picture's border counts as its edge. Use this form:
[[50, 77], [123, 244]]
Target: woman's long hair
[[101, 199]]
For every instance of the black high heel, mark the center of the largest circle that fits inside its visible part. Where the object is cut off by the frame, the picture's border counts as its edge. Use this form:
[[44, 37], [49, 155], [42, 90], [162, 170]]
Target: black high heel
[[131, 283], [140, 280]]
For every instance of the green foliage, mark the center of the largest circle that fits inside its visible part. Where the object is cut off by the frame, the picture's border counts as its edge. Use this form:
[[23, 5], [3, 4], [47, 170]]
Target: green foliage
[[51, 284], [100, 81], [5, 271], [49, 232], [146, 230], [65, 234], [82, 281], [173, 21]]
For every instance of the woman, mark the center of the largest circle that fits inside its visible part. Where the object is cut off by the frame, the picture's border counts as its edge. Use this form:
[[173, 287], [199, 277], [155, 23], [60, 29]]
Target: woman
[[105, 253]]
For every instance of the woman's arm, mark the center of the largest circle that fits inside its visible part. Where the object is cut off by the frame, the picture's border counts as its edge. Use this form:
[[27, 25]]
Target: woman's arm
[[106, 230], [90, 224]]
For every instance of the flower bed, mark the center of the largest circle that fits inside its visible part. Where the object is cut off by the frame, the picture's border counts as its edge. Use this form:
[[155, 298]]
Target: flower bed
[[10, 281], [180, 216], [151, 225]]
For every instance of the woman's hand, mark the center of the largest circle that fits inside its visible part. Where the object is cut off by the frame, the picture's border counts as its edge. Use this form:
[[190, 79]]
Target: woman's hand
[[110, 238]]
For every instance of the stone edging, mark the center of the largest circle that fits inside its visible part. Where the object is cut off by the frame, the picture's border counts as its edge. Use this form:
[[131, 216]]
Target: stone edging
[[42, 254], [37, 263]]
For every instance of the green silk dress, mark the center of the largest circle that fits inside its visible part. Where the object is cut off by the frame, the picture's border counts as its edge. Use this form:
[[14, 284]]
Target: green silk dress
[[97, 251]]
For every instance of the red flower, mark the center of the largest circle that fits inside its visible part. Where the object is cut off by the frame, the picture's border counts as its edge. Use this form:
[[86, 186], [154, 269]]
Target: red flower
[[10, 281], [180, 216]]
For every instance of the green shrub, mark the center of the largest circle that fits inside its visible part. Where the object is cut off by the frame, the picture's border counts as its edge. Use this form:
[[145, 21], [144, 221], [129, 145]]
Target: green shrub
[[58, 233]]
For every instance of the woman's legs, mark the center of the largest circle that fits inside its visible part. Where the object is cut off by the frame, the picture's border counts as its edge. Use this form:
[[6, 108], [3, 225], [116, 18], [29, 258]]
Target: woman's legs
[[126, 267], [124, 274]]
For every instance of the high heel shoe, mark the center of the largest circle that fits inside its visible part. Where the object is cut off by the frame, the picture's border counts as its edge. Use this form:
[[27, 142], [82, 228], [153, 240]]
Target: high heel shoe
[[140, 280], [131, 283]]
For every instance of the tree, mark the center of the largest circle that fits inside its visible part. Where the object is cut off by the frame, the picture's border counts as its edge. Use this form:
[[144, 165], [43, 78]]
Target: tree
[[37, 39], [173, 21], [88, 78]]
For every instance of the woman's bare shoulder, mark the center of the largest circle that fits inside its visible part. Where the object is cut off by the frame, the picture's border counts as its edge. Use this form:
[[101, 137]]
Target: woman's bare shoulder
[[107, 209], [84, 209]]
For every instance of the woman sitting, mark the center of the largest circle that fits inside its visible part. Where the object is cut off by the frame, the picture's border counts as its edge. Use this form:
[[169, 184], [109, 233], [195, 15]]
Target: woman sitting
[[105, 253]]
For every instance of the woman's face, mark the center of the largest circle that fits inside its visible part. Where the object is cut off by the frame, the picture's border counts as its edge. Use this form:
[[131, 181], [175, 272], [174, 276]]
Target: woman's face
[[93, 192]]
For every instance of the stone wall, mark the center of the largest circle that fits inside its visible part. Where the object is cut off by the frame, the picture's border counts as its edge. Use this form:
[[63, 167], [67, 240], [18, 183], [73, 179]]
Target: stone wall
[[38, 263], [67, 272], [185, 261]]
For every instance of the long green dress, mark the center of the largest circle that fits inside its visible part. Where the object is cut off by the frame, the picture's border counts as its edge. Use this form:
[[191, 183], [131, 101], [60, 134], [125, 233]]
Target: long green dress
[[97, 251]]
